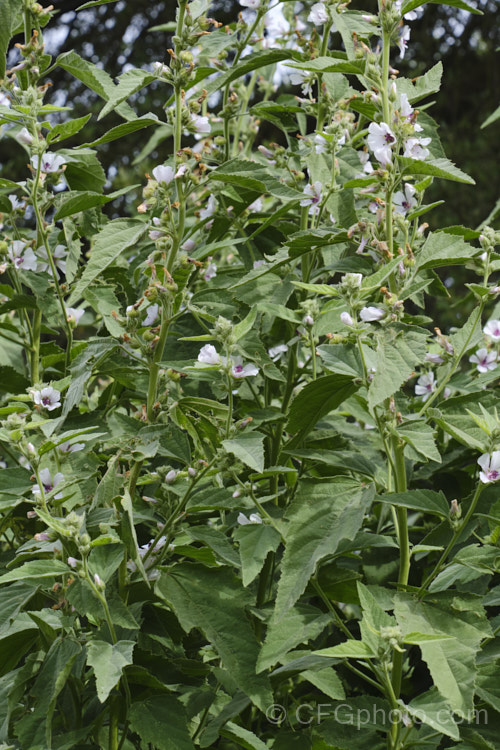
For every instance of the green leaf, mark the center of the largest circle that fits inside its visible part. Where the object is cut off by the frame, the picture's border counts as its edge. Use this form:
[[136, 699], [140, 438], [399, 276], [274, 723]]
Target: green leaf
[[492, 118], [322, 514], [416, 639], [116, 237], [426, 501], [348, 650], [15, 481], [430, 708], [95, 3], [83, 170], [108, 662], [327, 681], [128, 83], [249, 448], [76, 201], [212, 600], [82, 366], [443, 168], [217, 541], [10, 15], [161, 721], [399, 349], [412, 4], [255, 61], [318, 399], [67, 129], [125, 128], [256, 541], [252, 175], [242, 737], [443, 249], [129, 533], [12, 381], [420, 436], [302, 623], [36, 569], [452, 663], [331, 65], [429, 83]]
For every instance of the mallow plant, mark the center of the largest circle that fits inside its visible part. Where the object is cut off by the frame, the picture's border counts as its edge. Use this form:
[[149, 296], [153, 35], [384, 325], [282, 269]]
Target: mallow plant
[[249, 488]]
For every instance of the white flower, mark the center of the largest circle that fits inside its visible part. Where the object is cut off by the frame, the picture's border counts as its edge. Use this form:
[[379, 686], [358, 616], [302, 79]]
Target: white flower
[[313, 197], [346, 319], [436, 359], [68, 447], [490, 465], [210, 271], [48, 397], [239, 370], [276, 352], [410, 16], [15, 202], [380, 141], [58, 256], [159, 68], [253, 518], [405, 109], [318, 14], [73, 314], [425, 386], [484, 360], [188, 246], [415, 148], [199, 124], [371, 314], [403, 39], [151, 315], [353, 280], [50, 162], [49, 483], [268, 154], [171, 476], [163, 174], [209, 210], [364, 158], [22, 256], [275, 22], [492, 330], [256, 206], [252, 4], [208, 355], [72, 562], [25, 137], [320, 143], [308, 320], [4, 100], [405, 201]]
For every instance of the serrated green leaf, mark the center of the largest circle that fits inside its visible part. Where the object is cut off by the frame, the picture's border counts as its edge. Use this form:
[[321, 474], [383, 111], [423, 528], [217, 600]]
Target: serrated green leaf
[[212, 600], [444, 249], [399, 350], [76, 201], [348, 650], [36, 569], [317, 399], [427, 501], [128, 83], [443, 168], [132, 126], [492, 118], [302, 623], [108, 662], [420, 436], [67, 129], [161, 721], [431, 709], [10, 15], [249, 448], [256, 541], [116, 237], [242, 737], [412, 4]]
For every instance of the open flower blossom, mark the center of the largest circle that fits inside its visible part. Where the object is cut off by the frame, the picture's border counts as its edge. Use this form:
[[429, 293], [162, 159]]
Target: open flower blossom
[[364, 158], [490, 465], [50, 162], [252, 518], [15, 202], [380, 141], [209, 210], [210, 271], [425, 386], [252, 4], [22, 256], [163, 174], [47, 397], [318, 14], [59, 255], [313, 197], [73, 314], [403, 39], [415, 148], [276, 352], [49, 483], [151, 315], [200, 124], [371, 314], [68, 447], [239, 370], [405, 200], [484, 360], [410, 16], [492, 330], [208, 355], [405, 108]]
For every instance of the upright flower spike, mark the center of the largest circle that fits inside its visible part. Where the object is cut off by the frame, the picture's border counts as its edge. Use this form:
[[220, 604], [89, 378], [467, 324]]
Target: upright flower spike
[[380, 141], [490, 465]]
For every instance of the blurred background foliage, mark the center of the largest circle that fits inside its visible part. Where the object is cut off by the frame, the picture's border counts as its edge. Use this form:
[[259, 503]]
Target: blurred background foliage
[[118, 36]]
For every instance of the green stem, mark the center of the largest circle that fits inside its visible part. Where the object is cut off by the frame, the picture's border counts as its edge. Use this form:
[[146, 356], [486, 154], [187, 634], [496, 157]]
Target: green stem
[[454, 540], [404, 551], [324, 47], [35, 348], [154, 368], [229, 419]]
